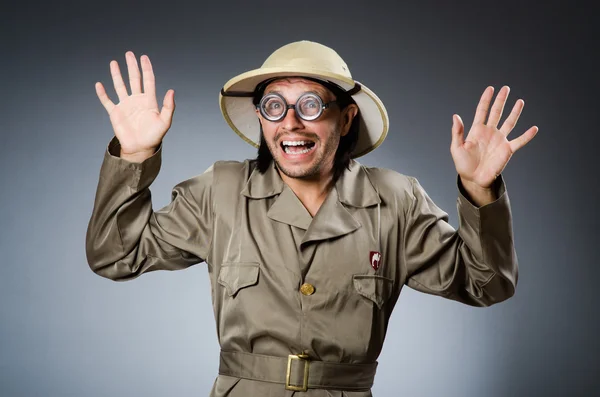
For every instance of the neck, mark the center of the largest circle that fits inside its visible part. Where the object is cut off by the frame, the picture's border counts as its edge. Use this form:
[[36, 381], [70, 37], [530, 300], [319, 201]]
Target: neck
[[310, 191]]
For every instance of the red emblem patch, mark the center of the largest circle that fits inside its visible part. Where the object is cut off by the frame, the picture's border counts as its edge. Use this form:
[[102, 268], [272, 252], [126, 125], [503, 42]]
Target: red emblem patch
[[375, 259]]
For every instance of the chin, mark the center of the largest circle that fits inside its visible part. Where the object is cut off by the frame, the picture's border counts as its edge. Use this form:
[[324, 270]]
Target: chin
[[297, 170]]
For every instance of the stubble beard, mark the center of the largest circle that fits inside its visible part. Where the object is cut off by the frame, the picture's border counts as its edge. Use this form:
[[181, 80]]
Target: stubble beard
[[315, 170]]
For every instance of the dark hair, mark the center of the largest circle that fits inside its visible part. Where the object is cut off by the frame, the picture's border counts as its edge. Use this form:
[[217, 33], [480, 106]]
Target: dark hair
[[347, 144]]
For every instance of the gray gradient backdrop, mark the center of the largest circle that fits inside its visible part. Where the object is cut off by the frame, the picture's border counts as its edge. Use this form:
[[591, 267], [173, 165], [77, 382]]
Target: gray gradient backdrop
[[66, 332]]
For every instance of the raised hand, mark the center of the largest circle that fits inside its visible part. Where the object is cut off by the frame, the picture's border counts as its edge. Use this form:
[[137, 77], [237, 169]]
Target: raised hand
[[136, 120], [482, 156]]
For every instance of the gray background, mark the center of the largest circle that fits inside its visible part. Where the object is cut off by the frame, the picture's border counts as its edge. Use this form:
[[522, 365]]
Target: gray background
[[66, 332]]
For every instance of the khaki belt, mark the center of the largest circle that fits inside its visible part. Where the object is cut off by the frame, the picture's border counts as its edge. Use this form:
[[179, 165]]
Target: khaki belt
[[297, 371]]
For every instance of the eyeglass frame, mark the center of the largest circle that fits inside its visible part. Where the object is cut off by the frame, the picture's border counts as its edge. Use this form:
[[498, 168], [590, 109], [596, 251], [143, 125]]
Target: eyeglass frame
[[323, 105]]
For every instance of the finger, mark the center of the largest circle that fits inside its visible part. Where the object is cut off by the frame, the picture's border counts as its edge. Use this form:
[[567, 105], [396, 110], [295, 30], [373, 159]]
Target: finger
[[498, 107], [149, 80], [135, 80], [512, 118], [104, 99], [166, 113], [457, 132], [118, 80], [483, 106], [521, 141]]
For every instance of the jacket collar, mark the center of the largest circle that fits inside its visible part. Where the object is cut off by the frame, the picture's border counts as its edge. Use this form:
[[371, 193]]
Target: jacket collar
[[354, 187], [333, 219], [265, 185]]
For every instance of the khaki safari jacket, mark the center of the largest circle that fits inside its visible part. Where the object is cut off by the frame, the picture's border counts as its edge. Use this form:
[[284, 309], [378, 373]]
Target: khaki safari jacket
[[289, 289]]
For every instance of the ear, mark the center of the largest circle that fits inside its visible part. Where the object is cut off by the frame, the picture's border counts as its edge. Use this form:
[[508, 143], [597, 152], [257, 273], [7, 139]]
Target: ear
[[258, 115], [347, 116]]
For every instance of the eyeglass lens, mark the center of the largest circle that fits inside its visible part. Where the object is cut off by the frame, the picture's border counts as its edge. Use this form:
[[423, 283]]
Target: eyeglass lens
[[308, 106]]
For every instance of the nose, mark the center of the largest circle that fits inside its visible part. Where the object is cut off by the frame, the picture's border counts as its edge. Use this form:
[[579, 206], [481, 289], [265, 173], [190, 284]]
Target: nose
[[291, 121]]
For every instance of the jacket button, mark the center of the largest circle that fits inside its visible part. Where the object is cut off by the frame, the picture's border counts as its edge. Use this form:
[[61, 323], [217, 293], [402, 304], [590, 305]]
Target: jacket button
[[307, 289]]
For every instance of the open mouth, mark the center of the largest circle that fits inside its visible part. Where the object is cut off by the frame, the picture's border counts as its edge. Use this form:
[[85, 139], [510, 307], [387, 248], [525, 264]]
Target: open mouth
[[297, 147]]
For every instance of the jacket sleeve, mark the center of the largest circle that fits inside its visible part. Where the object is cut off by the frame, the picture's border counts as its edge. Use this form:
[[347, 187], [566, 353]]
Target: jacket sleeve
[[126, 238], [476, 264]]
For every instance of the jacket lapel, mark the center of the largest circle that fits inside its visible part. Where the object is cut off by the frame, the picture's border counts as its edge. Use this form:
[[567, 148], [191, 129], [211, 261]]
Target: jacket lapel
[[332, 220], [353, 189], [287, 208]]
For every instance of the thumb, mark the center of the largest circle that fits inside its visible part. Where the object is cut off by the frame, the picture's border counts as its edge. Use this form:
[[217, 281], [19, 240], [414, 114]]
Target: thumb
[[166, 113], [457, 132]]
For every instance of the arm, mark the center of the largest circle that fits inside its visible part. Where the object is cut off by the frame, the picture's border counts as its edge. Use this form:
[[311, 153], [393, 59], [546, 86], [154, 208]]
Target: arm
[[476, 264], [126, 238]]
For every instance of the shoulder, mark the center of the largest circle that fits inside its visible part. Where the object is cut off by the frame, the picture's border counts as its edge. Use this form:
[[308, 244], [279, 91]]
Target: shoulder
[[234, 173], [389, 182], [396, 189], [233, 170]]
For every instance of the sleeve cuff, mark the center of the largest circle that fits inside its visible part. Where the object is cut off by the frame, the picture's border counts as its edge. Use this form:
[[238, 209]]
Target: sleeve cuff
[[136, 175], [471, 213], [487, 230]]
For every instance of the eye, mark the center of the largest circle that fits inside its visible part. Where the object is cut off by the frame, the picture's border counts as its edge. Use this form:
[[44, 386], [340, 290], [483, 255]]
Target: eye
[[273, 106], [311, 103]]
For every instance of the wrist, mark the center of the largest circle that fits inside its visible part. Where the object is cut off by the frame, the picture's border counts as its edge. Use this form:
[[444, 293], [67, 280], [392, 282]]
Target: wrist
[[475, 187], [137, 157], [477, 194]]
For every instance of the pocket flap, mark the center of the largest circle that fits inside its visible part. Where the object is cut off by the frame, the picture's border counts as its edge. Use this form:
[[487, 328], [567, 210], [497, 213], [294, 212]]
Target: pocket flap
[[234, 276], [376, 288]]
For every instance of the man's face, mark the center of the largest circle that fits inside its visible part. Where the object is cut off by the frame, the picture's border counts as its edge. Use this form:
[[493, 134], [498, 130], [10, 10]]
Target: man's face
[[300, 148]]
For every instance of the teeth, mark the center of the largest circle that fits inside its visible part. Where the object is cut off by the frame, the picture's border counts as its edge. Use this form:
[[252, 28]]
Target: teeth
[[295, 143], [288, 151]]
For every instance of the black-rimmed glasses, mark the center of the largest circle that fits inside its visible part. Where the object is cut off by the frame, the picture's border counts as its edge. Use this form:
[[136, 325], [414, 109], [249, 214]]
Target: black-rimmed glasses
[[309, 106]]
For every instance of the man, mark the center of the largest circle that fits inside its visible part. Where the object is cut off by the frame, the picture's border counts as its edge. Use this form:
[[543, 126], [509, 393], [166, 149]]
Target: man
[[307, 250]]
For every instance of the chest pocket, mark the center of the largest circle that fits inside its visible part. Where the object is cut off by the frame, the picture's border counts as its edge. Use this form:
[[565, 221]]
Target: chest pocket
[[238, 275], [377, 289]]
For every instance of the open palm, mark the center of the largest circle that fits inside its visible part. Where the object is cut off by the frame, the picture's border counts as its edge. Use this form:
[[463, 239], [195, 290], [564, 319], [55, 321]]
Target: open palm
[[482, 156], [138, 124]]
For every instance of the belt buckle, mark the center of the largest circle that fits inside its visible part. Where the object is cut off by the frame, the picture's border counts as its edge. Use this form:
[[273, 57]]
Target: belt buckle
[[300, 357]]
